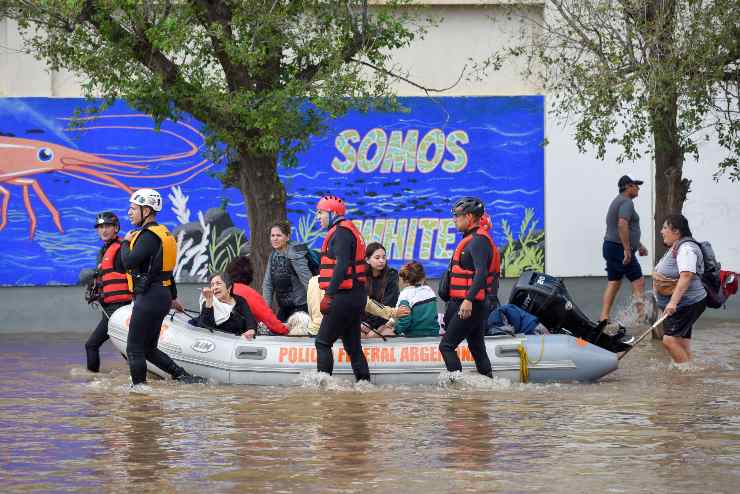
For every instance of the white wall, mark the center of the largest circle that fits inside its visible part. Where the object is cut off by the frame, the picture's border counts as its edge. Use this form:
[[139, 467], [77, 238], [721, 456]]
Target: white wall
[[578, 187], [21, 75]]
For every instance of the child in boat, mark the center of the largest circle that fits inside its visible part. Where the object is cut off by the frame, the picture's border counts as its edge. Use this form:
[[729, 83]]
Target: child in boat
[[224, 311], [420, 299]]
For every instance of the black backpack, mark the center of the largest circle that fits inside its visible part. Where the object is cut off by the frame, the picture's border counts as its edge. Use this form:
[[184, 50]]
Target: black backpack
[[710, 278]]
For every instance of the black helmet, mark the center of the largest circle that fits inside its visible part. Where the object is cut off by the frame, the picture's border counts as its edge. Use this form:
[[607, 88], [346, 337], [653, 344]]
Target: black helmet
[[106, 218], [469, 205]]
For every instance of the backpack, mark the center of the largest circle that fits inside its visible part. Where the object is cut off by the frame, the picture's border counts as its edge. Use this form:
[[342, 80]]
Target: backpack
[[313, 258], [710, 278]]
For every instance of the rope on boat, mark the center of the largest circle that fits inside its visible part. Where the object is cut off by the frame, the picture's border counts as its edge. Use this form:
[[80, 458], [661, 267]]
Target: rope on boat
[[524, 361]]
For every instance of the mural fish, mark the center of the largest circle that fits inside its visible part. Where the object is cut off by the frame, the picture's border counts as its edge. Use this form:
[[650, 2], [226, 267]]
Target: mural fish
[[21, 159]]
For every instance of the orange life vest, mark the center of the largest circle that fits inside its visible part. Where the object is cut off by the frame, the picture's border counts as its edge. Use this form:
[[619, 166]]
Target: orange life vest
[[462, 279], [115, 284], [357, 270]]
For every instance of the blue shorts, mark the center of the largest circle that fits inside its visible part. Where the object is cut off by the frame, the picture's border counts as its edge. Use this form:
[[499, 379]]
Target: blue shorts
[[614, 255]]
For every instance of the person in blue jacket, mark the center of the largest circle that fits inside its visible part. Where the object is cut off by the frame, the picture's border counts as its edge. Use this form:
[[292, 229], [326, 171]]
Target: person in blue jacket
[[517, 318]]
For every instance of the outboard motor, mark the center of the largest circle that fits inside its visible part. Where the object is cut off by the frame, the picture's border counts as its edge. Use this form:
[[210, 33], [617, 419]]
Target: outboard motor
[[547, 298]]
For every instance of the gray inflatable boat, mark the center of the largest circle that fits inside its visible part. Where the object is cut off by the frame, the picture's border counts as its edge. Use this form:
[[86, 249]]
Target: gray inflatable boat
[[281, 360]]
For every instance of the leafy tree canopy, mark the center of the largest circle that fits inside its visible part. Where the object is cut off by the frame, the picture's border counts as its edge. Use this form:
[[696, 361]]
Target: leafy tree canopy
[[642, 74]]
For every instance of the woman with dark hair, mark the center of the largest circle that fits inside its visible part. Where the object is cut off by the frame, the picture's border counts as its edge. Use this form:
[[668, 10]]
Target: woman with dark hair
[[241, 272], [287, 273], [679, 290], [421, 301], [224, 311], [382, 285]]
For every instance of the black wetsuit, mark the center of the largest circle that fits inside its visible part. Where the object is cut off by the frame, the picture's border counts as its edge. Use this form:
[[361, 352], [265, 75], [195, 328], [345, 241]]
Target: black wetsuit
[[100, 333], [150, 309], [345, 315], [476, 256]]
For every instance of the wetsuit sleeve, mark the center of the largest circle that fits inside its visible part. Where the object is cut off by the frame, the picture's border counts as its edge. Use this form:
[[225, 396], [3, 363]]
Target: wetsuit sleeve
[[146, 247], [118, 263], [343, 248], [481, 253]]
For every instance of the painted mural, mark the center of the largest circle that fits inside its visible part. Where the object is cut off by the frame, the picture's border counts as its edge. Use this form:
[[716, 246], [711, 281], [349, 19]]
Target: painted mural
[[398, 173]]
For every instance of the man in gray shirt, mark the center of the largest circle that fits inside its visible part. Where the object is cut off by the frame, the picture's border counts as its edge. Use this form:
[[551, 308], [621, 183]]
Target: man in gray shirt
[[621, 241]]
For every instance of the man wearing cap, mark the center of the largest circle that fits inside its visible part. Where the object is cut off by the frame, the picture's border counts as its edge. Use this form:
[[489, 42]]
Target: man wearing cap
[[621, 242], [111, 286]]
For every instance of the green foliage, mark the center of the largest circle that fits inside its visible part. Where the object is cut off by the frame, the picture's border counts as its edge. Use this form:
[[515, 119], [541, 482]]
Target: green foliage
[[523, 253], [246, 69], [221, 253], [646, 75]]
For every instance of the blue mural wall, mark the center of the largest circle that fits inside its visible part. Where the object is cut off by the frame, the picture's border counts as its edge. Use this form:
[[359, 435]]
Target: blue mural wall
[[398, 172]]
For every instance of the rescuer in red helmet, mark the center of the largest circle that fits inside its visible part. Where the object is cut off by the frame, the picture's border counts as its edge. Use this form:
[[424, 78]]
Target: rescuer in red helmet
[[343, 278]]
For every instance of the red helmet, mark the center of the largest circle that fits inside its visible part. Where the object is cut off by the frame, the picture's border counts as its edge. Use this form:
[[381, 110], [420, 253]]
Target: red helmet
[[333, 204]]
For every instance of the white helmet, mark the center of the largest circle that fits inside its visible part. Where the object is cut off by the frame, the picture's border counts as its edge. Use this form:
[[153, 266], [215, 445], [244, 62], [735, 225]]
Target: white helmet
[[147, 197]]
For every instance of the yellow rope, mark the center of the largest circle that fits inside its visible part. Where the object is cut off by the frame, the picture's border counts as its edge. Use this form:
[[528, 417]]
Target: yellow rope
[[524, 361], [523, 367]]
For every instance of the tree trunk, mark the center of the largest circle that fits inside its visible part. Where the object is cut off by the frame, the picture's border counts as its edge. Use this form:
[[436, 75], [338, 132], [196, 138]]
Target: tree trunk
[[670, 186], [264, 196]]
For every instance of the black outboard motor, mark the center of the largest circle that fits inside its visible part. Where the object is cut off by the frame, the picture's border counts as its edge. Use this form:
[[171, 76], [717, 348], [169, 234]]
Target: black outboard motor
[[546, 298]]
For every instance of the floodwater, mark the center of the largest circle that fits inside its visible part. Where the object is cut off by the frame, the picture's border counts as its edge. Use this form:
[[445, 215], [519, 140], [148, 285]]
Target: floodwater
[[649, 427]]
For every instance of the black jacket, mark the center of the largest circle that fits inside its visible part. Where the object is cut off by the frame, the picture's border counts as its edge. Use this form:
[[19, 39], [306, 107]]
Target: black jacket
[[238, 323], [389, 295]]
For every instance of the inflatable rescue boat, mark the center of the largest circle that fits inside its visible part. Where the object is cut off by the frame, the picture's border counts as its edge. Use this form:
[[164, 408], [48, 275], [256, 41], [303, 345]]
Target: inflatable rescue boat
[[281, 360]]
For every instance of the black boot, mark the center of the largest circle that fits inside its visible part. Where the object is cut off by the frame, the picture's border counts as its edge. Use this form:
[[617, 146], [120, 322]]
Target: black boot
[[181, 375]]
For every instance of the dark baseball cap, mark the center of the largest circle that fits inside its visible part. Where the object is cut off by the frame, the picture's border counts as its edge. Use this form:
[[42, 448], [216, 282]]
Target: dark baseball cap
[[626, 180]]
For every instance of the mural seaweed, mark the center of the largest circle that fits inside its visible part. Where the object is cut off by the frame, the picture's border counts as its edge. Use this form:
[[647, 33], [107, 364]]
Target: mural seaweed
[[527, 252], [308, 230]]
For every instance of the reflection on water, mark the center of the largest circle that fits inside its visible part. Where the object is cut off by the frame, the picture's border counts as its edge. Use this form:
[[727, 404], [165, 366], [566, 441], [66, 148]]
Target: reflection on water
[[649, 427]]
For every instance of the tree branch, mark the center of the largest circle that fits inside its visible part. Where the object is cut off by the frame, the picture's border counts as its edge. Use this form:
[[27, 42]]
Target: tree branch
[[219, 13], [427, 90]]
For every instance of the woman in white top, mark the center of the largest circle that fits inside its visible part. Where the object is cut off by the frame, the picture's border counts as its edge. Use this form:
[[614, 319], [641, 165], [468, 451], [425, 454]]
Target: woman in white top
[[678, 286]]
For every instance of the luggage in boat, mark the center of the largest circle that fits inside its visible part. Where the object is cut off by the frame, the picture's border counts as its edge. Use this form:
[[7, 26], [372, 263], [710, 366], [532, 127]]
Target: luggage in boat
[[547, 298]]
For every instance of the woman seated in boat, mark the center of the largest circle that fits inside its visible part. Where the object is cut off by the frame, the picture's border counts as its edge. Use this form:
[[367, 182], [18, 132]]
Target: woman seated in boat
[[420, 299], [382, 286], [315, 294], [241, 273], [224, 311]]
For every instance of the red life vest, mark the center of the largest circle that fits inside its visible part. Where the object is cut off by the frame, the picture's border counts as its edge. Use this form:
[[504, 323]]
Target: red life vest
[[115, 284], [462, 279], [355, 271]]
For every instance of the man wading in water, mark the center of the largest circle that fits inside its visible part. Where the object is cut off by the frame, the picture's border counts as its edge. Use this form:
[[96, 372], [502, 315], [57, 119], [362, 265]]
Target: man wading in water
[[474, 266]]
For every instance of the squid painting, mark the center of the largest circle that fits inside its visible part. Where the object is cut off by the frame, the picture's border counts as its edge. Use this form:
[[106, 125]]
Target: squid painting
[[24, 160]]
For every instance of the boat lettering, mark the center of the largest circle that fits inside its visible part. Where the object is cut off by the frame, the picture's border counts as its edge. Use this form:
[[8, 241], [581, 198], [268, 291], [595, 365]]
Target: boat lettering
[[293, 355], [203, 346], [374, 355]]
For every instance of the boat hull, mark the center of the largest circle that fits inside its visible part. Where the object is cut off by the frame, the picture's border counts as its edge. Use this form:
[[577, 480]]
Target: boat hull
[[285, 361]]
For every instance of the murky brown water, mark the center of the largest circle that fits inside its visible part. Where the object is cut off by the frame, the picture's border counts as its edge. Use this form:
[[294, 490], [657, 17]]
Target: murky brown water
[[649, 427]]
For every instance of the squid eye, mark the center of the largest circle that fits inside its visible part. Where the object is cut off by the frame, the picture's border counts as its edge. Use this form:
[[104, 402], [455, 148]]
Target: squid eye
[[45, 154]]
